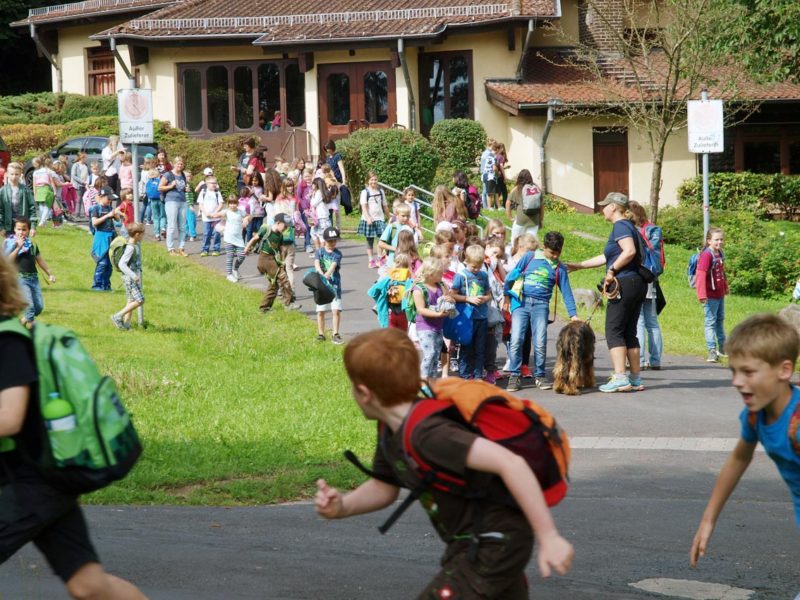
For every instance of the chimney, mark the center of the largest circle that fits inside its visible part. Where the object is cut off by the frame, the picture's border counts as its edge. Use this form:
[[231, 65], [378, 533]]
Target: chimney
[[600, 22], [515, 8]]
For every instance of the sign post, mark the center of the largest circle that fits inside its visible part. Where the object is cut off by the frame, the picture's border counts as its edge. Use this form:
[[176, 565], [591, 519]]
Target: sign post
[[706, 135]]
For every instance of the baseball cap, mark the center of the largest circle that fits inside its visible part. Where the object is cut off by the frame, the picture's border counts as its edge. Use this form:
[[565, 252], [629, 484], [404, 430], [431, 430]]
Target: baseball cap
[[615, 198], [208, 171], [283, 218], [444, 226], [331, 233], [149, 155]]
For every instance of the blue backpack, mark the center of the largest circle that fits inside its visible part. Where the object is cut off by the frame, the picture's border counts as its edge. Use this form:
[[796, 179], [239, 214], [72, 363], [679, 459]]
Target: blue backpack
[[653, 258], [691, 270], [151, 189]]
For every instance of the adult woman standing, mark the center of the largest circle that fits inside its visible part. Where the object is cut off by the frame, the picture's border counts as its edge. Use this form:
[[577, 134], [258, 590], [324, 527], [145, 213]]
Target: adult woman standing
[[173, 186], [627, 292], [446, 206], [79, 174], [112, 159], [525, 206], [248, 164]]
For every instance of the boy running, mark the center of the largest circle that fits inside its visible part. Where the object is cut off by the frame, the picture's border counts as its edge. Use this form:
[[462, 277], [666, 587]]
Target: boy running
[[762, 352], [327, 262], [505, 538], [26, 254], [270, 264], [131, 266]]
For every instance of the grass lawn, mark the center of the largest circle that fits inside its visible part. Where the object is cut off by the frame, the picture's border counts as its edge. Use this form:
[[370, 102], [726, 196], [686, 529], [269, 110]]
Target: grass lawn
[[233, 406]]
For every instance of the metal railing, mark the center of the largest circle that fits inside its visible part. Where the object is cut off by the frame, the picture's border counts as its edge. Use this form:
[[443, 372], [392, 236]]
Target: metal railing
[[87, 5]]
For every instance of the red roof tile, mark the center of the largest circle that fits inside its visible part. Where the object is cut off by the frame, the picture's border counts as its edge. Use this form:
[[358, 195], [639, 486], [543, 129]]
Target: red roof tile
[[88, 8]]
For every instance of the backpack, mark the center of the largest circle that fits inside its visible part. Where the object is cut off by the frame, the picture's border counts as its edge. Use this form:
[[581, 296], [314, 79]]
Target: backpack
[[531, 198], [691, 269], [793, 431], [473, 203], [115, 251], [407, 303], [521, 426], [653, 257], [151, 188], [88, 439]]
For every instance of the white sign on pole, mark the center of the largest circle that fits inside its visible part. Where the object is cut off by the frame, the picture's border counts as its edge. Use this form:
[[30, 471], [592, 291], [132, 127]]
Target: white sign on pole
[[706, 130], [135, 116]]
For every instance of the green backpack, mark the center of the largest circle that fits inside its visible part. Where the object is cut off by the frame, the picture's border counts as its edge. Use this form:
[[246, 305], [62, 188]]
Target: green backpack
[[408, 305], [88, 439], [116, 250]]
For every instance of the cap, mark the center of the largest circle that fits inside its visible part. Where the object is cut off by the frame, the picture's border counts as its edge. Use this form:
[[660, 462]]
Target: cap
[[283, 218], [149, 155], [331, 233], [444, 226], [615, 198], [208, 171]]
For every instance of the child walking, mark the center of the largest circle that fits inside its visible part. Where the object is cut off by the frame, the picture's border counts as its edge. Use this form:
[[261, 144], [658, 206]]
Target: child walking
[[494, 563], [233, 246], [472, 286], [210, 202], [327, 263], [25, 254], [270, 263], [319, 198], [373, 215], [130, 264], [712, 287], [102, 216], [191, 207], [156, 204], [430, 319], [763, 351]]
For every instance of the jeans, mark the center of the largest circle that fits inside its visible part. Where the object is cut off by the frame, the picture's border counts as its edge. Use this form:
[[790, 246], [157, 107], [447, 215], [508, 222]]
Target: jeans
[[431, 344], [33, 296], [714, 310], [191, 222], [176, 223], [159, 217], [648, 320], [208, 233], [470, 358], [484, 192], [145, 213], [102, 274], [307, 234], [252, 227], [533, 313]]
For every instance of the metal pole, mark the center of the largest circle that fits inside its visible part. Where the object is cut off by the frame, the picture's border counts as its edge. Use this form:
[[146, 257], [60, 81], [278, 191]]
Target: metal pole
[[706, 207], [136, 219]]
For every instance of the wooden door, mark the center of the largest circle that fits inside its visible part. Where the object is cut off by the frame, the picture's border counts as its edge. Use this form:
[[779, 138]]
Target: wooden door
[[355, 95], [610, 155]]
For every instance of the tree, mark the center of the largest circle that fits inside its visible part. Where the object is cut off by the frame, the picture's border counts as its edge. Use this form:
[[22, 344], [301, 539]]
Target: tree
[[21, 69], [648, 57]]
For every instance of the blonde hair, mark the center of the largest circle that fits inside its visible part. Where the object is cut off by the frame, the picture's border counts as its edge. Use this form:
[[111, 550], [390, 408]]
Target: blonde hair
[[527, 241], [765, 336], [151, 173], [135, 228], [12, 302], [444, 237], [474, 255], [14, 165], [401, 208], [432, 265], [401, 259], [494, 224]]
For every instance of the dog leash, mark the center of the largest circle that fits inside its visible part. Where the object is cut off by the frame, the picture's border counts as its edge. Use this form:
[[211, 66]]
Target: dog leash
[[600, 299]]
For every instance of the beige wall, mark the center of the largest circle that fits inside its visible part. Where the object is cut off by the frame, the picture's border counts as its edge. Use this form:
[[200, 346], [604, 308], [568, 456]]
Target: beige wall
[[679, 164], [71, 57], [550, 36]]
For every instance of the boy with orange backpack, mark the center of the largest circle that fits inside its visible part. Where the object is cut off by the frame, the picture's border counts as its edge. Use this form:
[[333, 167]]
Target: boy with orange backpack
[[427, 446]]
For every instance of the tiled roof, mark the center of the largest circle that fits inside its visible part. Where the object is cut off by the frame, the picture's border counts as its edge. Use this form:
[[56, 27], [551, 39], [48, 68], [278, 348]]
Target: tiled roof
[[548, 75], [88, 8], [281, 22]]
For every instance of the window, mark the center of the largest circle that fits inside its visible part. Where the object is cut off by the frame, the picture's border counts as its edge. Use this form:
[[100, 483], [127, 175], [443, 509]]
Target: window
[[445, 87], [95, 145], [71, 148], [239, 96], [762, 157], [338, 99], [100, 65], [376, 97], [758, 149]]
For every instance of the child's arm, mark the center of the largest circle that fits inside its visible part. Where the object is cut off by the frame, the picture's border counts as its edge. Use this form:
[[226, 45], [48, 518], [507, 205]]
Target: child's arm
[[419, 302], [370, 496], [566, 293], [318, 267], [125, 260], [383, 244], [13, 405], [554, 550], [253, 240], [43, 265], [735, 466]]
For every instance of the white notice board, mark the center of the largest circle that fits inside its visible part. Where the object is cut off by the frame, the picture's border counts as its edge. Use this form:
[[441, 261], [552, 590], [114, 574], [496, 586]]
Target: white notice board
[[135, 116], [706, 130]]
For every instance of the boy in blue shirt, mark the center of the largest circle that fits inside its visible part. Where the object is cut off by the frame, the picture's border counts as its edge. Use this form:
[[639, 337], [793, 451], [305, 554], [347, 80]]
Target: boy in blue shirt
[[540, 272], [762, 352], [102, 216], [472, 286]]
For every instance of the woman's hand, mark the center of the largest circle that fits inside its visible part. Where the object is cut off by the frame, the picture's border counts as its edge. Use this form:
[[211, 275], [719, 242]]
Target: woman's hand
[[609, 276], [573, 267]]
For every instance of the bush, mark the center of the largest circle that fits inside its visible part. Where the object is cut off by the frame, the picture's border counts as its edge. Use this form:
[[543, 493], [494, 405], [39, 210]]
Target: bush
[[24, 138], [554, 204], [760, 194], [399, 157], [53, 109], [761, 256], [459, 143], [80, 107], [102, 126], [218, 153]]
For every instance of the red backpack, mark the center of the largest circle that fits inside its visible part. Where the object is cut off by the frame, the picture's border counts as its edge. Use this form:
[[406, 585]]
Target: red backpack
[[521, 426], [473, 202]]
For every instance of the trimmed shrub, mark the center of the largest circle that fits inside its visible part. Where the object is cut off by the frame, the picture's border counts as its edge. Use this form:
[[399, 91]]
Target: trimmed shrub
[[81, 107], [218, 153], [22, 139], [459, 143], [757, 193], [102, 125], [50, 108], [399, 157]]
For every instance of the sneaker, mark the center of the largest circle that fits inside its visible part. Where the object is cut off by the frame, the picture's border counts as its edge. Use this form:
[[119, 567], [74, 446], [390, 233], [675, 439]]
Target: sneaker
[[636, 383], [525, 371], [712, 357], [320, 338], [373, 263], [499, 375], [158, 238], [292, 306], [182, 252], [235, 273], [309, 249], [203, 254], [232, 278], [507, 366], [655, 367], [192, 239], [173, 253], [337, 339], [490, 378], [540, 383], [721, 354], [118, 322], [513, 384], [454, 365], [215, 253], [616, 383]]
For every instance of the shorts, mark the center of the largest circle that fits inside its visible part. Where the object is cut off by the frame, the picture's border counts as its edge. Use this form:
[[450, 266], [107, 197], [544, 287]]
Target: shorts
[[133, 290], [318, 229], [335, 305], [53, 521]]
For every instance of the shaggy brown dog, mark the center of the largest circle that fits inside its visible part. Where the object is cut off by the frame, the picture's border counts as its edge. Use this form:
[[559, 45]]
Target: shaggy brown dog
[[574, 359]]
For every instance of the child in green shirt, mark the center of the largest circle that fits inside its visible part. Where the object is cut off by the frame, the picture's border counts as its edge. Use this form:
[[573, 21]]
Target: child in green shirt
[[270, 263]]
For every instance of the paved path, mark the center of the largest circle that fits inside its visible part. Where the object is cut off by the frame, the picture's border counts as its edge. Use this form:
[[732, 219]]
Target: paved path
[[643, 466]]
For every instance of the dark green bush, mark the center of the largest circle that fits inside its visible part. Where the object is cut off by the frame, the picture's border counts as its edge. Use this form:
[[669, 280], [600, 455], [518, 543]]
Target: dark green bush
[[459, 143], [100, 125], [761, 256], [81, 107], [52, 109], [24, 138], [757, 193], [399, 157], [218, 153]]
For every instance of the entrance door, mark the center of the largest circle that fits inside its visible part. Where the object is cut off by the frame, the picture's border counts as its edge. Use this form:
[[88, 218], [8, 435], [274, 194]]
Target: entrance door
[[355, 95], [610, 152]]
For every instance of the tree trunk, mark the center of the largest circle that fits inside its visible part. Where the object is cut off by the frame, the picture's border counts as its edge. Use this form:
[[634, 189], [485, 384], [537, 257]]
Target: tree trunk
[[655, 182]]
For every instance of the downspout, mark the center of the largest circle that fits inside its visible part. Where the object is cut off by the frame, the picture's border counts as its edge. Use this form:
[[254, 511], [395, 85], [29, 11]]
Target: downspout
[[113, 45], [48, 56], [525, 47], [551, 110], [412, 106]]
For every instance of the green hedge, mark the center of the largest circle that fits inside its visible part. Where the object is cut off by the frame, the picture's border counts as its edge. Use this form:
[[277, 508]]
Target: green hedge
[[52, 109], [459, 143], [399, 157], [760, 194], [762, 257]]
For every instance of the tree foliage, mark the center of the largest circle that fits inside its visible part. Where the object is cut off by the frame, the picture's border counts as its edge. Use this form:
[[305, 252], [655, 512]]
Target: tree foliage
[[21, 70]]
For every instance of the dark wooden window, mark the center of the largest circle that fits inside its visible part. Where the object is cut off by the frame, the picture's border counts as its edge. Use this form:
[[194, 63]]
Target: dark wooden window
[[758, 149], [239, 96], [446, 90], [100, 63]]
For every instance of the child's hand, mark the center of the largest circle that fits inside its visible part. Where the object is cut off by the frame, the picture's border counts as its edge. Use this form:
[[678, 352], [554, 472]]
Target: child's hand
[[555, 552], [51, 278], [475, 300], [328, 501], [136, 278], [700, 542]]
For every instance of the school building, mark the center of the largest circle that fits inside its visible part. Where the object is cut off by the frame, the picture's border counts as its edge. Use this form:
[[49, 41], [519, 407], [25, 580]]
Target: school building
[[218, 67]]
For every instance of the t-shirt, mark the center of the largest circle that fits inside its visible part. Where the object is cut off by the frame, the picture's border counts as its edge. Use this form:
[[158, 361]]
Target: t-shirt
[[372, 202], [390, 235], [319, 206], [621, 229], [97, 211], [333, 161], [539, 280], [711, 281], [233, 227], [775, 439], [270, 240], [468, 283], [326, 260], [178, 193], [209, 201], [127, 209], [445, 444], [131, 261], [430, 323], [26, 256]]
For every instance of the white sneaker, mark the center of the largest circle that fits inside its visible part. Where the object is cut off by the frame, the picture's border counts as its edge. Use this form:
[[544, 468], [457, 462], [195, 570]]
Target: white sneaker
[[232, 278], [235, 273]]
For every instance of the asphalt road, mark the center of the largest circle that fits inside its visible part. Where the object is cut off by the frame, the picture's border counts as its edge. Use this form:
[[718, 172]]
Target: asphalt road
[[642, 469]]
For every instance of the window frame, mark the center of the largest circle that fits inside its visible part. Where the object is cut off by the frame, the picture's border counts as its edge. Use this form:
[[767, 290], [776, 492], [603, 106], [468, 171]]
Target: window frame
[[98, 53], [230, 66], [425, 58], [738, 136]]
